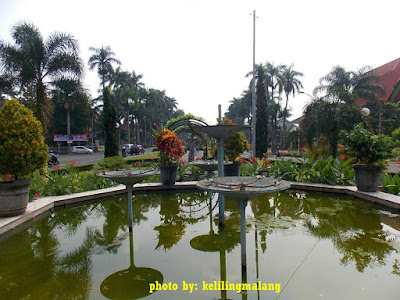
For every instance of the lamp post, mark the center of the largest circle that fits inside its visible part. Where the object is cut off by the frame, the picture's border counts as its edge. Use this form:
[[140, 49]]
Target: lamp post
[[253, 91]]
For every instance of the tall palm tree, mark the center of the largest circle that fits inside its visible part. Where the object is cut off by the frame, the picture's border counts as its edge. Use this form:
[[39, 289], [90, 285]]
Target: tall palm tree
[[103, 58], [291, 85], [39, 64]]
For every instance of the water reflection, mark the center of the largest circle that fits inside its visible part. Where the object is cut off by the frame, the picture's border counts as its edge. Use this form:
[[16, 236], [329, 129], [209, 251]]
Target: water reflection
[[71, 254], [130, 283]]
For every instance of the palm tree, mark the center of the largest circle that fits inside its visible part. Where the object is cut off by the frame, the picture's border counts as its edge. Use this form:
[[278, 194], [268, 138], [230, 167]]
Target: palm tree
[[38, 64], [103, 58], [291, 85], [342, 89], [347, 86]]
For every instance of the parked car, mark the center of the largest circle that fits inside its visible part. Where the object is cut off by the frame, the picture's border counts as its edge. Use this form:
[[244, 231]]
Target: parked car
[[126, 149], [81, 150], [137, 149]]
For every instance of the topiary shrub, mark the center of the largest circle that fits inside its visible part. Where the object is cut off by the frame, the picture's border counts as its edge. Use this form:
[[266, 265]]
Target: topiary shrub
[[22, 147], [235, 145]]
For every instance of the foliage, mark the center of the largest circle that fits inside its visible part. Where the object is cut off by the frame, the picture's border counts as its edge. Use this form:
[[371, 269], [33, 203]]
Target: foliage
[[235, 145], [170, 147], [367, 148], [66, 181], [331, 171], [261, 115], [112, 163], [103, 58], [109, 125], [35, 65], [391, 183], [22, 148]]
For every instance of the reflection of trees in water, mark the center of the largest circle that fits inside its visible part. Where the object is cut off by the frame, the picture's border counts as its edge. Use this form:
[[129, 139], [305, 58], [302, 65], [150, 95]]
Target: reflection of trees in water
[[355, 230], [32, 265], [353, 226], [174, 216]]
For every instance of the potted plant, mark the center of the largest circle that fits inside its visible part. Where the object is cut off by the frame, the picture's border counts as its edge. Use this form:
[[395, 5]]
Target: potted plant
[[22, 152], [233, 148], [370, 152], [170, 151]]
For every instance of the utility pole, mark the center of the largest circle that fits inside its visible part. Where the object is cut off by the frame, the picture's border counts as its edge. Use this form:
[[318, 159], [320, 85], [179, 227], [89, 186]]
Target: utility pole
[[253, 92]]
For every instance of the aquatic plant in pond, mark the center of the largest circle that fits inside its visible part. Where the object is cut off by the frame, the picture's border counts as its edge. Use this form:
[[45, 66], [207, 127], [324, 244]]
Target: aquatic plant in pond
[[307, 243]]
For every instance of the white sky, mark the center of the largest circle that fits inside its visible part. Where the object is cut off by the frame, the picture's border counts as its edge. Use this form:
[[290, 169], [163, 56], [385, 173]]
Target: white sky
[[200, 51]]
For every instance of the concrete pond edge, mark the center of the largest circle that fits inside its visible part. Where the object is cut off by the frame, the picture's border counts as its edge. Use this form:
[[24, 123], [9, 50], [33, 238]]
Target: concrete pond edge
[[44, 206]]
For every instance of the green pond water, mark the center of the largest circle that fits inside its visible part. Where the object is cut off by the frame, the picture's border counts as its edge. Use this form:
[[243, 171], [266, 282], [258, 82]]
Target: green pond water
[[299, 246]]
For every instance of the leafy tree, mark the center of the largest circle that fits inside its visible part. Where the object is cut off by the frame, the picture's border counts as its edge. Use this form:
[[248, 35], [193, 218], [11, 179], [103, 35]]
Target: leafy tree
[[36, 65], [338, 110], [109, 123]]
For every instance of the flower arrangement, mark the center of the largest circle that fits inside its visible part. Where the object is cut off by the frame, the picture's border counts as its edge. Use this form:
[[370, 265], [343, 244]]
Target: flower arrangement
[[170, 147], [22, 147]]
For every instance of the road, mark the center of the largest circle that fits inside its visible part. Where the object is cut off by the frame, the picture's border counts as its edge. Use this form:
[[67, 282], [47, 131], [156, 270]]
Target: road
[[84, 159]]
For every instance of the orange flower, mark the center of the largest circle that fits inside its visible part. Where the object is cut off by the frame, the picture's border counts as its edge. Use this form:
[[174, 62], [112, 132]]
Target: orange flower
[[138, 164], [254, 159], [170, 147]]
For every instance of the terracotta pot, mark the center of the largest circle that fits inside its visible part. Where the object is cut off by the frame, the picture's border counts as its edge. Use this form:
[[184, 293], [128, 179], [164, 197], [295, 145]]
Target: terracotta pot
[[168, 174], [232, 169], [14, 197], [367, 177]]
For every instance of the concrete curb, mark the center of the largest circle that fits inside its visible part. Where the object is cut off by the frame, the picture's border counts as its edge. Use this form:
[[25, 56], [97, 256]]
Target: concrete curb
[[44, 206]]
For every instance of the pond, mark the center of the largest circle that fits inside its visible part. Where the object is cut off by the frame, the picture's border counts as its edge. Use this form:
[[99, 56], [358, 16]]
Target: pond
[[300, 245]]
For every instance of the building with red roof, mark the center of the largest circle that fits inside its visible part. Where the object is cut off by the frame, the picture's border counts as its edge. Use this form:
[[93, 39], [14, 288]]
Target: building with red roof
[[389, 78]]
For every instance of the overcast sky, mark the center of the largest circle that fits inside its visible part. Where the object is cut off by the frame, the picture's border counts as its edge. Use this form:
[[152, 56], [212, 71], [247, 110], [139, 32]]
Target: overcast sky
[[200, 51]]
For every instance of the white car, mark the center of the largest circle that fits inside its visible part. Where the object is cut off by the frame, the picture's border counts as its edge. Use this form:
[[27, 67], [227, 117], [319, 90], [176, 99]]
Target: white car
[[81, 149]]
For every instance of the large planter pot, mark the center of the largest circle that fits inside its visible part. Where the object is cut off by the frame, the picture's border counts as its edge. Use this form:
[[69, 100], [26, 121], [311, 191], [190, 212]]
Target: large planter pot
[[168, 174], [232, 169], [367, 177], [14, 197]]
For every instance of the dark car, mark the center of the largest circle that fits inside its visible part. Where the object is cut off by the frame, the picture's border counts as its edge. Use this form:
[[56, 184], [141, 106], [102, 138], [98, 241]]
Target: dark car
[[136, 149]]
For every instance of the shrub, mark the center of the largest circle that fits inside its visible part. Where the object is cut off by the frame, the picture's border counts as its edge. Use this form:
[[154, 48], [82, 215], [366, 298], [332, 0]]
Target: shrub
[[22, 147], [367, 148]]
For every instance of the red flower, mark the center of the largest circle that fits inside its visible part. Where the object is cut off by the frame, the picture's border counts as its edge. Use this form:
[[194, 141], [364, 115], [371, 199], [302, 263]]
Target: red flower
[[57, 168], [72, 162], [7, 176], [254, 159], [37, 195], [342, 157], [183, 162], [198, 158], [138, 164], [398, 162], [303, 148]]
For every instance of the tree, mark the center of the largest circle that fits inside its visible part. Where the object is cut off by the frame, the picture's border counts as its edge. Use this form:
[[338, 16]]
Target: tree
[[109, 123], [103, 58], [338, 109], [37, 65], [291, 85], [261, 115]]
